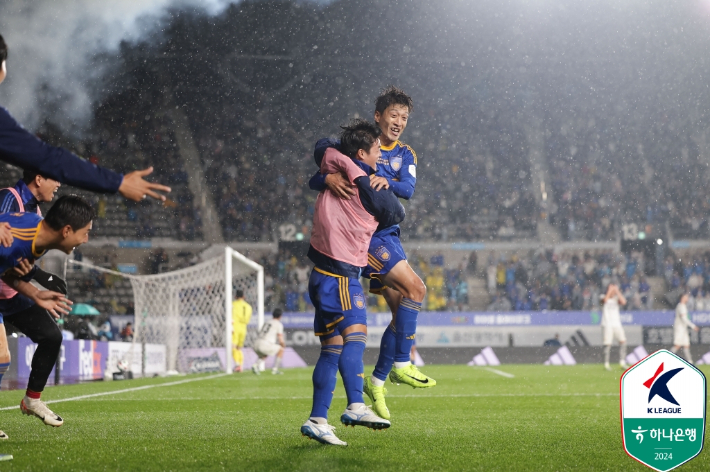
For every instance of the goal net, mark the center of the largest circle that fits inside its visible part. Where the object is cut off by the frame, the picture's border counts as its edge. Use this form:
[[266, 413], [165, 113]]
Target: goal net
[[188, 310]]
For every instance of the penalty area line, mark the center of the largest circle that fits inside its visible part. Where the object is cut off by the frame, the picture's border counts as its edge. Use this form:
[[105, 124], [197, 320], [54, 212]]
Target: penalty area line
[[499, 372], [125, 390]]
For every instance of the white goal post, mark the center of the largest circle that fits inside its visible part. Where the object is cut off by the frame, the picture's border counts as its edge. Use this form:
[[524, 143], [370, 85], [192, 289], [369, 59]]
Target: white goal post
[[188, 310]]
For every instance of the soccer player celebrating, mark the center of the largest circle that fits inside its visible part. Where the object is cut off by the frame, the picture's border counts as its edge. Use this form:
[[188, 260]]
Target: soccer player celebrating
[[388, 269], [270, 342], [342, 229], [241, 314], [65, 227], [680, 328], [21, 311], [611, 324]]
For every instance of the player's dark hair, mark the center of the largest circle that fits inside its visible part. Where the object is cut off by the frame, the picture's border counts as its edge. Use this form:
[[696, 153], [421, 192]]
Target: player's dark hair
[[240, 293], [359, 134], [393, 96], [3, 49], [29, 176], [277, 313], [69, 210]]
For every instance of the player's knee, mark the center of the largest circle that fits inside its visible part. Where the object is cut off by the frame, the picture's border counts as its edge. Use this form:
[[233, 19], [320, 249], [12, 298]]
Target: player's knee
[[417, 290]]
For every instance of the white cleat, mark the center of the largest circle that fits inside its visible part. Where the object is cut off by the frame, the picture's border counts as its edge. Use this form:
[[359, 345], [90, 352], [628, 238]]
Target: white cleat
[[30, 406], [277, 372], [363, 416], [323, 433], [623, 365], [3, 435], [607, 366], [255, 369]]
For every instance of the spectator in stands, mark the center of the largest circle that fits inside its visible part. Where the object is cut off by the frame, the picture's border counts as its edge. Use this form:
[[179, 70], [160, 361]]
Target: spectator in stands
[[127, 333]]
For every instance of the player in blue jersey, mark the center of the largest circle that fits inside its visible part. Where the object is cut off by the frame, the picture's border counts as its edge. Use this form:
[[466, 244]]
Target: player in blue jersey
[[388, 269], [65, 227]]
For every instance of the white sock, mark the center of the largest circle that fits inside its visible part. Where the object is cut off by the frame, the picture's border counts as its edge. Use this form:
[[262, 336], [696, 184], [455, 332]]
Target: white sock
[[277, 363], [686, 351], [355, 406], [399, 365], [262, 365], [607, 350], [318, 420], [622, 353], [377, 382]]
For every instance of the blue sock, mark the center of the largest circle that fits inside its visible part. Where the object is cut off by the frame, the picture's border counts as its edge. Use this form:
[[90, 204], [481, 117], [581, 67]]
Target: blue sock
[[386, 357], [406, 327], [3, 369], [352, 369], [324, 378]]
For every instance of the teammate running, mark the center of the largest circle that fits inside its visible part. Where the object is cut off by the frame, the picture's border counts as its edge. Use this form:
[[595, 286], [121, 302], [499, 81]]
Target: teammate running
[[65, 227], [270, 342], [611, 324], [19, 310], [390, 273], [342, 230]]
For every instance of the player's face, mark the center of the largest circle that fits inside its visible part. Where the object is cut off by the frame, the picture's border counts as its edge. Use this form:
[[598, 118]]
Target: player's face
[[370, 157], [72, 238], [47, 189], [3, 71], [392, 123]]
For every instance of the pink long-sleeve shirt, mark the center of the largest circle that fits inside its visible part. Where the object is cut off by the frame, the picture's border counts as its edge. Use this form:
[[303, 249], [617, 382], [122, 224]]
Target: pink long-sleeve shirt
[[342, 229]]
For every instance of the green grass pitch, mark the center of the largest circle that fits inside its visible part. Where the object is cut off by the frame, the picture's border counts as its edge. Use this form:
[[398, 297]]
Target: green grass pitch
[[545, 418]]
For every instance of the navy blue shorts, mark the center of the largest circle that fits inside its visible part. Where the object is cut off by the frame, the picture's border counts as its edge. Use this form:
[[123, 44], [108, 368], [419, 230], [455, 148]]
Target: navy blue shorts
[[385, 252], [339, 302], [16, 304]]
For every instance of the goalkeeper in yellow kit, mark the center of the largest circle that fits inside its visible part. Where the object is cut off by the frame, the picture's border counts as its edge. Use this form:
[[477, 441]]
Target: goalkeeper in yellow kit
[[241, 314]]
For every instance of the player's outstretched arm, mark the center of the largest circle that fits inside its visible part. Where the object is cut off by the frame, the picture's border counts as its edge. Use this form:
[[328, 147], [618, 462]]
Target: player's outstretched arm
[[5, 235], [54, 302], [135, 188]]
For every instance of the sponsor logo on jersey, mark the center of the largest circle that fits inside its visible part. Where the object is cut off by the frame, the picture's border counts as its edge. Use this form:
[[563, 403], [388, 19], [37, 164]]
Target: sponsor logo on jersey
[[396, 163], [382, 253], [359, 300]]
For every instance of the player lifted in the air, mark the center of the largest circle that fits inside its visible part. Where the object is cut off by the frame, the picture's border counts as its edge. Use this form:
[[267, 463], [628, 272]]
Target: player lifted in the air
[[611, 324], [388, 269], [66, 226], [342, 230]]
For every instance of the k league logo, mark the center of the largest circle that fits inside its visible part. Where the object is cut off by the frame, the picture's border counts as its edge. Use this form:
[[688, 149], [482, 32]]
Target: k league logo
[[663, 402]]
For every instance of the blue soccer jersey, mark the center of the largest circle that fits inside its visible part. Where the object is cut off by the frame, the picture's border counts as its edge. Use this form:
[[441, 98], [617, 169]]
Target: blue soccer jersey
[[398, 165], [24, 229]]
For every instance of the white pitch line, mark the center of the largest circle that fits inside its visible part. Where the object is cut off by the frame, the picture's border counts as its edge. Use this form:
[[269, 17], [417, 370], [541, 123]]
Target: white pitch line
[[499, 372], [125, 390]]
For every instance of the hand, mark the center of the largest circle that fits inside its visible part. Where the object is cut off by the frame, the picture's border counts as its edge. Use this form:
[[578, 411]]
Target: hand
[[135, 188], [50, 281], [22, 268], [378, 183], [696, 329], [339, 185], [54, 302], [5, 235]]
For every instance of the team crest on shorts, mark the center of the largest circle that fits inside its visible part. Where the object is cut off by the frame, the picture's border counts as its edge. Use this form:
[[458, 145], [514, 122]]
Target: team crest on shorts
[[359, 300], [382, 253], [396, 163]]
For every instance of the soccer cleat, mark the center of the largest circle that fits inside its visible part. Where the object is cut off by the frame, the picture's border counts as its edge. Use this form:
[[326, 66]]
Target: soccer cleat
[[5, 457], [323, 433], [3, 435], [255, 369], [38, 408], [623, 365], [363, 416], [411, 376], [377, 395], [277, 372], [607, 366]]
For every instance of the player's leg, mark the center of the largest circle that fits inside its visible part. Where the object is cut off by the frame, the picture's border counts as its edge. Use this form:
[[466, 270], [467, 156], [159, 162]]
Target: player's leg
[[4, 359], [621, 335], [686, 353], [279, 357], [607, 338], [326, 369], [238, 336], [38, 325], [353, 327], [404, 280]]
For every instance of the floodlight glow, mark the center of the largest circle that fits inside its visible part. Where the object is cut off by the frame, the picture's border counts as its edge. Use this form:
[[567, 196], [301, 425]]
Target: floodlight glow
[[659, 241]]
